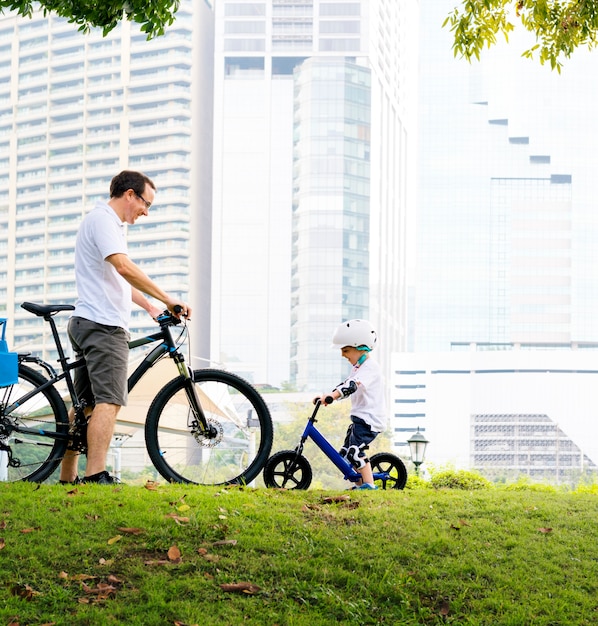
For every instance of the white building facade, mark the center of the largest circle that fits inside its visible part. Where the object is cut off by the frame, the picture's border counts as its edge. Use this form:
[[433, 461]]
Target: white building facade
[[502, 413]]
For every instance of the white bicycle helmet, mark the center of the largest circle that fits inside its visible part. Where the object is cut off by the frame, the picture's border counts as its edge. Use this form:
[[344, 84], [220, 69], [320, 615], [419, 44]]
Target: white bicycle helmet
[[355, 333]]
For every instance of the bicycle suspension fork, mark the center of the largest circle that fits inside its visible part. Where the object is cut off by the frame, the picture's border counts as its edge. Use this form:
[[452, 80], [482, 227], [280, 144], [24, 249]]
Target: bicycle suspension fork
[[199, 420]]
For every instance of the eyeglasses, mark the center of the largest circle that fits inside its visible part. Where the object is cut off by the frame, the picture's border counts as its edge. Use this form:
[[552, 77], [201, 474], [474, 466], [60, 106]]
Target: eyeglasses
[[147, 204]]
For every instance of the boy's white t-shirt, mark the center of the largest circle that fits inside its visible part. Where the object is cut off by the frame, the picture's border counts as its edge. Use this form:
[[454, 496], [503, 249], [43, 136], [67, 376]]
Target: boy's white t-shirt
[[367, 402], [103, 295]]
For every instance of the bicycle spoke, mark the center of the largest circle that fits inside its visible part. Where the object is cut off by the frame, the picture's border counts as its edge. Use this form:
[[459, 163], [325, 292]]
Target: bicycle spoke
[[237, 442], [31, 449]]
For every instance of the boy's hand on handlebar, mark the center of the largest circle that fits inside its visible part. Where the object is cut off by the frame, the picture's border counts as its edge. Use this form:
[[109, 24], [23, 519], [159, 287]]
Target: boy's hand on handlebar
[[324, 399]]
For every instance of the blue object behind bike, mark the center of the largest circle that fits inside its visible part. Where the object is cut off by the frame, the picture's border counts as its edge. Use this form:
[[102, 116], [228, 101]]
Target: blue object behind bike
[[9, 361]]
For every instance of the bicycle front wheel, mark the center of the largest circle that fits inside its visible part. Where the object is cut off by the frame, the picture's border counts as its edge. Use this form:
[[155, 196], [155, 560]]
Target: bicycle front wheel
[[236, 413], [33, 431]]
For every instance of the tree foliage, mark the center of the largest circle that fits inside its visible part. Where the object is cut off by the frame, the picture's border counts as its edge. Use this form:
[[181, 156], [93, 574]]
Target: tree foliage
[[559, 27], [153, 15]]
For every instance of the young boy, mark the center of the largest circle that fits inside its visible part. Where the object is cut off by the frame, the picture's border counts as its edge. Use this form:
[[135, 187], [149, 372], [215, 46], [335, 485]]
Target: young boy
[[356, 339]]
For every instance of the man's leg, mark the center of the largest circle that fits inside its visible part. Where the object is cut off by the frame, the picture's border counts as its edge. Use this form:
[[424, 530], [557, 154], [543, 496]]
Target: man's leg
[[70, 462], [100, 429]]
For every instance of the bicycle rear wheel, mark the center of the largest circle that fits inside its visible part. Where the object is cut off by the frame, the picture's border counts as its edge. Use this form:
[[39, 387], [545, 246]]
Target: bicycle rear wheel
[[392, 470], [236, 412], [29, 431]]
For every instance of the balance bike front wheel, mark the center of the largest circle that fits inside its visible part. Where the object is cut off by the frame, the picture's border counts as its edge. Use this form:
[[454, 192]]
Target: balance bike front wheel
[[287, 470], [392, 470]]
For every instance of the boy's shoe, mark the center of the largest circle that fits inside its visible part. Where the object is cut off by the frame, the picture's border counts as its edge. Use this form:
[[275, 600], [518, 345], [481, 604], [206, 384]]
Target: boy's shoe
[[366, 486], [101, 478], [77, 481]]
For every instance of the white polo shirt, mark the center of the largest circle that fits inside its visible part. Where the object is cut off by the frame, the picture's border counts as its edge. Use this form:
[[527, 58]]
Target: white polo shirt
[[103, 295]]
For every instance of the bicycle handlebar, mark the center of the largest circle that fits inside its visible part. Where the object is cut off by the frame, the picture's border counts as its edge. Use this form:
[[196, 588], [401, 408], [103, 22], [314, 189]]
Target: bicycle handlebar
[[327, 400], [166, 318]]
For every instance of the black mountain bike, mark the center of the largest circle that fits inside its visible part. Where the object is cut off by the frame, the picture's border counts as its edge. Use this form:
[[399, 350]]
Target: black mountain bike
[[205, 426]]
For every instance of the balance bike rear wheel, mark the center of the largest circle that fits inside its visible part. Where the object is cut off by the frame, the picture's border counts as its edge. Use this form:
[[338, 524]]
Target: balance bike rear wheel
[[287, 470], [384, 462]]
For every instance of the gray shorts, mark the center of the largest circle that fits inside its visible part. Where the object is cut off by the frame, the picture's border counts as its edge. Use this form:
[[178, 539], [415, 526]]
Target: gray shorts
[[106, 353]]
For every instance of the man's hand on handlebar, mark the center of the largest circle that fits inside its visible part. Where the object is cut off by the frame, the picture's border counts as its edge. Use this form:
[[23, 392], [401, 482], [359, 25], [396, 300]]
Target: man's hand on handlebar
[[179, 309]]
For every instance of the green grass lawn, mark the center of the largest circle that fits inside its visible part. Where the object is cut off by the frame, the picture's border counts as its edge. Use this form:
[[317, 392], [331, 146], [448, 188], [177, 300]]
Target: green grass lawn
[[181, 554]]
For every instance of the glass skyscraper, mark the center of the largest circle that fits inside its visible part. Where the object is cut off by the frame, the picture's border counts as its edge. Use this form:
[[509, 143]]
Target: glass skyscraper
[[505, 203], [312, 125], [506, 283]]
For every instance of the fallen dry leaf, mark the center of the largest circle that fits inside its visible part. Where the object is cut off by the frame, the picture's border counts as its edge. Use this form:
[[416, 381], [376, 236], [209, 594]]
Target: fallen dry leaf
[[444, 608], [102, 592], [225, 542], [114, 539], [546, 531], [174, 554], [29, 530], [177, 518], [335, 499], [213, 558], [247, 588], [132, 531], [2, 543], [151, 485], [24, 591]]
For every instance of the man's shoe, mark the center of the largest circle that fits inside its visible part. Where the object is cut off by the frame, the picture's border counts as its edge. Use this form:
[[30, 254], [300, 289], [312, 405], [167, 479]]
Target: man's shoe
[[366, 486], [77, 481], [101, 478]]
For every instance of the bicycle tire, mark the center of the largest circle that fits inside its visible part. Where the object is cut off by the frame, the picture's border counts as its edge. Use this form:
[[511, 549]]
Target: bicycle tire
[[286, 470], [37, 455], [240, 450], [393, 466]]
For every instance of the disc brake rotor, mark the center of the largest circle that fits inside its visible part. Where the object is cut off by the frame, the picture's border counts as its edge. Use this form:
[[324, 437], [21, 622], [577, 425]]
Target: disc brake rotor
[[212, 439]]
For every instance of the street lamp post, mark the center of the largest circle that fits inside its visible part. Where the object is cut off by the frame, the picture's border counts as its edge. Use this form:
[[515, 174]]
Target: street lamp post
[[417, 447]]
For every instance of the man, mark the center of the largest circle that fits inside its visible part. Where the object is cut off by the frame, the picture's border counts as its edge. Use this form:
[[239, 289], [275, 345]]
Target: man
[[107, 282]]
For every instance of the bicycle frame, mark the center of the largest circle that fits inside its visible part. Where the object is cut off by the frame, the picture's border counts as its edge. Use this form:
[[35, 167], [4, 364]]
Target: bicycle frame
[[167, 345], [348, 471]]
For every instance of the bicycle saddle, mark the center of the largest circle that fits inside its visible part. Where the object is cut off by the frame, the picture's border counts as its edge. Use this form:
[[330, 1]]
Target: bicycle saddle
[[46, 309]]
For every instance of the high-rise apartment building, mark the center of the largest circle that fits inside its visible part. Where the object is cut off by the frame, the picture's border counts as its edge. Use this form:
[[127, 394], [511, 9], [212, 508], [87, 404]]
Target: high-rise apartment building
[[74, 110], [313, 121]]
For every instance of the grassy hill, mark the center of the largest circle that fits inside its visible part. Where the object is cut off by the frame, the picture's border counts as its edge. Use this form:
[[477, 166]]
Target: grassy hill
[[178, 554]]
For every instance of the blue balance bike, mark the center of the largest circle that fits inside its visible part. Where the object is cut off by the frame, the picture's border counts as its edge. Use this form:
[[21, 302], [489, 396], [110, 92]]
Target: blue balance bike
[[289, 469]]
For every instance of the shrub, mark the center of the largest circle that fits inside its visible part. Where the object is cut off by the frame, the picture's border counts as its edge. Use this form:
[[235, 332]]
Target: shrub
[[523, 483], [458, 479]]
